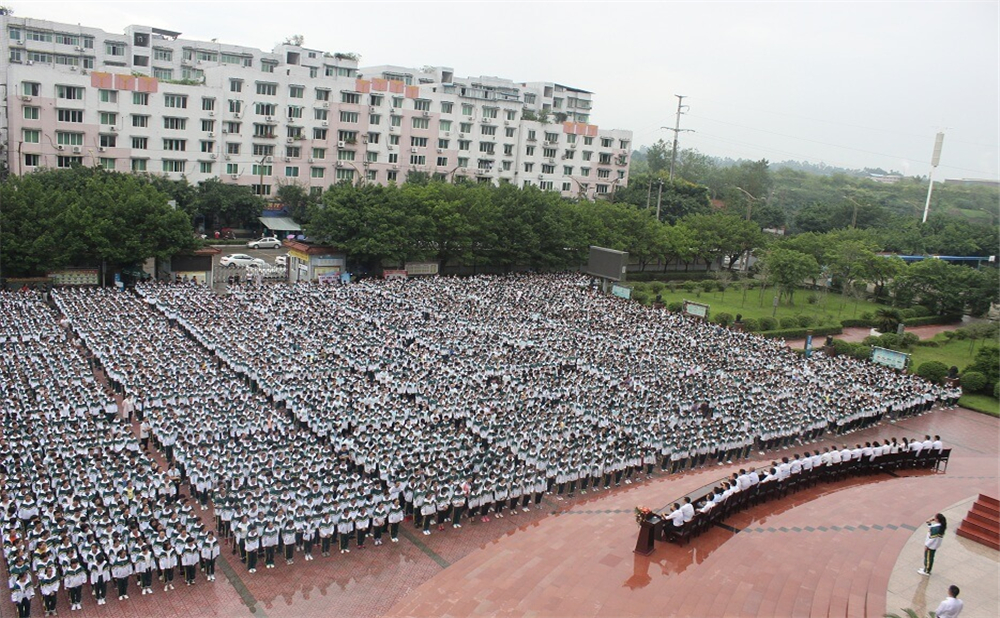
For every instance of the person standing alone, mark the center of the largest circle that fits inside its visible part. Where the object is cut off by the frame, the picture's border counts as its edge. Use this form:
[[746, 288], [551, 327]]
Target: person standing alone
[[950, 607], [935, 535]]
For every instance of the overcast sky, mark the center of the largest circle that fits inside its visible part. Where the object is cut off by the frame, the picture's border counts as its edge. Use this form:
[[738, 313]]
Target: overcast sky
[[852, 84]]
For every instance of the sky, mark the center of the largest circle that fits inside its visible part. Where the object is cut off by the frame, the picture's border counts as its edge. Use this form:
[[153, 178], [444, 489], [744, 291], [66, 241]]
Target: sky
[[848, 84]]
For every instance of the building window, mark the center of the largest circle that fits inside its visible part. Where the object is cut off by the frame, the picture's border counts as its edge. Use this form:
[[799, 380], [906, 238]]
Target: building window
[[139, 165], [320, 134], [175, 145], [233, 168], [140, 98], [447, 107], [31, 113], [261, 170], [205, 167], [488, 129], [174, 165], [395, 121], [108, 96], [31, 136], [113, 48], [467, 109], [421, 123], [175, 100], [416, 159], [69, 92], [267, 89], [371, 157], [292, 171], [207, 104], [163, 74], [345, 174], [207, 125], [443, 143], [67, 162], [373, 138], [322, 94], [420, 142], [319, 153], [263, 130], [317, 172], [31, 89], [106, 163], [236, 85], [265, 109], [261, 189], [207, 146], [442, 161], [69, 115], [321, 114], [32, 160], [233, 148], [422, 105], [444, 125], [345, 155], [232, 127], [176, 124], [140, 143], [109, 141], [376, 100], [165, 55], [109, 118], [349, 117], [268, 66]]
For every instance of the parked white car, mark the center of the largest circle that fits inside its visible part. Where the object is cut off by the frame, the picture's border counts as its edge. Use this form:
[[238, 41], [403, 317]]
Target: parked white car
[[281, 260], [240, 259], [268, 242]]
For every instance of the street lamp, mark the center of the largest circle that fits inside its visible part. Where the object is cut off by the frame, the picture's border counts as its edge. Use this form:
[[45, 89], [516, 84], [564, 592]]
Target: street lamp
[[749, 204], [854, 217]]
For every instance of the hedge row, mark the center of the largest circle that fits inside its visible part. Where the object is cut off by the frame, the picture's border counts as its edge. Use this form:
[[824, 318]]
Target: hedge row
[[800, 333], [933, 319]]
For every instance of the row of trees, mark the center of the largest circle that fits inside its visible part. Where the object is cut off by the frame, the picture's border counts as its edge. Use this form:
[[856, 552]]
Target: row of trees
[[963, 218]]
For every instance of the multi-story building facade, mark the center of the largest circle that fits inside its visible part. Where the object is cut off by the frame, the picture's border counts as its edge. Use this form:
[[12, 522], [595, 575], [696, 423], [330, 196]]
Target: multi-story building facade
[[149, 101]]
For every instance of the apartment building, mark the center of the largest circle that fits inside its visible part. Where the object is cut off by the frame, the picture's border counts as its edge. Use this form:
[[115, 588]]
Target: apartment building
[[149, 101]]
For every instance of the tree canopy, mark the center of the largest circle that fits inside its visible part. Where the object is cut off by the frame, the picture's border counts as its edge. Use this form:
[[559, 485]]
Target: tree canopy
[[83, 216]]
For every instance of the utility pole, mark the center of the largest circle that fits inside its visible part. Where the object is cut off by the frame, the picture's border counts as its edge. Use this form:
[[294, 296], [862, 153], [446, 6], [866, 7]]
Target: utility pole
[[649, 192], [935, 159], [854, 217], [677, 130], [659, 201]]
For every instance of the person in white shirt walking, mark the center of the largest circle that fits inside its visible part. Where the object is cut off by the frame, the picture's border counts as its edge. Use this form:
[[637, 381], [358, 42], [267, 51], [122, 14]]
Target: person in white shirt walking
[[952, 606]]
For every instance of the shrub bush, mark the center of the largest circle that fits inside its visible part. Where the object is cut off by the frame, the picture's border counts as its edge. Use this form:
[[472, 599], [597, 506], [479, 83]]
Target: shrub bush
[[843, 348], [675, 306], [708, 285], [812, 299], [910, 340], [906, 314], [689, 286], [996, 390], [656, 287], [933, 319], [790, 322], [640, 297], [768, 323], [927, 343], [933, 371], [860, 351], [723, 318], [973, 382], [919, 311], [751, 325], [805, 321], [697, 291], [868, 316], [855, 322]]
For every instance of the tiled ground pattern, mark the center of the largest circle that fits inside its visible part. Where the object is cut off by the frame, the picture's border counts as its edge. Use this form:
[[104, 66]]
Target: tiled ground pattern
[[826, 551]]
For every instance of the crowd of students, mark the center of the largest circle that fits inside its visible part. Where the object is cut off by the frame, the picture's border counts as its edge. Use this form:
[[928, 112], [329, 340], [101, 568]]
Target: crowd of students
[[311, 416]]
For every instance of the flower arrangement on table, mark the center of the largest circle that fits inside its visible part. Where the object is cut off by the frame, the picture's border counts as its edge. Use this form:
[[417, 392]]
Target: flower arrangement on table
[[642, 513]]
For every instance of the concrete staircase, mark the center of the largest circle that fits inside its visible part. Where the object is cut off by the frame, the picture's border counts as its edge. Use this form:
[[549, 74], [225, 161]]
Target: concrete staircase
[[982, 524]]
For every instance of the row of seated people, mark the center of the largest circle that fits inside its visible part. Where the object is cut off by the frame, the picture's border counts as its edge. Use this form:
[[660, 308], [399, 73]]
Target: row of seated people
[[691, 516]]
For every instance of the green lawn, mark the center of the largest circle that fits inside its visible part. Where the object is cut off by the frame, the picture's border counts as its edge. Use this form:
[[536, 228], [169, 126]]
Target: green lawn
[[829, 310], [952, 353], [981, 403]]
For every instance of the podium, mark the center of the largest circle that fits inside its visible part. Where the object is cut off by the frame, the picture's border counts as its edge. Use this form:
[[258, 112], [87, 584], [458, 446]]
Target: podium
[[647, 535]]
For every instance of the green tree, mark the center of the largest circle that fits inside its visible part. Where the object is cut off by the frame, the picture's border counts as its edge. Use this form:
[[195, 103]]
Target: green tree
[[224, 205], [658, 157], [296, 200], [789, 269], [91, 217]]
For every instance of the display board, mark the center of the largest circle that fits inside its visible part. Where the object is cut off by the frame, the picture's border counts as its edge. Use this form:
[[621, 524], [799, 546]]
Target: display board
[[621, 291], [698, 310], [889, 358], [607, 263]]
